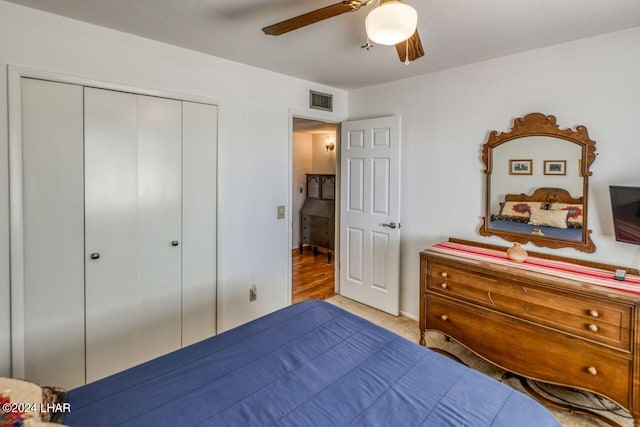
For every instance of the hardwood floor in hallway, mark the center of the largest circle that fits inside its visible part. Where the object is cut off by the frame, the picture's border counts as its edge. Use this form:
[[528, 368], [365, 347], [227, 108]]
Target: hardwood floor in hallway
[[311, 277]]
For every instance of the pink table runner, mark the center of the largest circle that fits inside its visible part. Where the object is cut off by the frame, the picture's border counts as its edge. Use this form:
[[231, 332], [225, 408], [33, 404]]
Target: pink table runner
[[562, 269]]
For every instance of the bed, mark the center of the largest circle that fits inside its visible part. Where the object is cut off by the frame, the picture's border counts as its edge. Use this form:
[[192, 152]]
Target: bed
[[520, 227], [548, 211], [310, 364]]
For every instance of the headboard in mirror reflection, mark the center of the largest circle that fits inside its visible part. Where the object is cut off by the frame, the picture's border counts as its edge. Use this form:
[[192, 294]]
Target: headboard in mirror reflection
[[537, 184]]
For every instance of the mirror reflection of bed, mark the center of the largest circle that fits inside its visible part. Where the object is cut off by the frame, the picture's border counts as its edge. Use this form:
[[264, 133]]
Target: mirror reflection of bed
[[537, 181], [551, 212]]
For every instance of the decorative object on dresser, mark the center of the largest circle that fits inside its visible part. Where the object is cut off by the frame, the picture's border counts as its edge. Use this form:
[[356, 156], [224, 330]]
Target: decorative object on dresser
[[517, 253], [552, 319], [537, 137], [317, 216]]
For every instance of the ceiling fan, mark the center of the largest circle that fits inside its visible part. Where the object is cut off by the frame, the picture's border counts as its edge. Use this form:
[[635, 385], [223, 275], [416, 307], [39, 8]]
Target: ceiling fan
[[391, 23]]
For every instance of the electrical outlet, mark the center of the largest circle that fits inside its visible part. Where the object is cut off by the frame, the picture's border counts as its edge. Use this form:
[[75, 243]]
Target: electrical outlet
[[253, 292], [281, 212], [301, 189]]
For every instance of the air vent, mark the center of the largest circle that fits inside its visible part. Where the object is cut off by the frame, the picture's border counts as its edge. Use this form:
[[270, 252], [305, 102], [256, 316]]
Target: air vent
[[320, 101]]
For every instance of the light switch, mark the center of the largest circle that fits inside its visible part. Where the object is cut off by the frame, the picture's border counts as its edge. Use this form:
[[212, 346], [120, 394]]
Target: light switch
[[281, 213]]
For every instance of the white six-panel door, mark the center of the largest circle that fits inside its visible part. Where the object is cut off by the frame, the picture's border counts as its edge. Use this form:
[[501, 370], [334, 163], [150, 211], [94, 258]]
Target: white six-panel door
[[370, 212]]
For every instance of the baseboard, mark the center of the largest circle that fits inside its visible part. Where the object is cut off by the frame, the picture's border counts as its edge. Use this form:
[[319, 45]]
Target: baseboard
[[408, 315]]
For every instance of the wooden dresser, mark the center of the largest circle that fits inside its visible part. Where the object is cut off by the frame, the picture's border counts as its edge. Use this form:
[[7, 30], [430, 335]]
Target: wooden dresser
[[535, 324], [317, 216]]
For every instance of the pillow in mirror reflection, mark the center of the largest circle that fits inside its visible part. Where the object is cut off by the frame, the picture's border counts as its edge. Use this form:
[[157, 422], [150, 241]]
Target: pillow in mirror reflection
[[574, 218], [518, 211], [549, 218]]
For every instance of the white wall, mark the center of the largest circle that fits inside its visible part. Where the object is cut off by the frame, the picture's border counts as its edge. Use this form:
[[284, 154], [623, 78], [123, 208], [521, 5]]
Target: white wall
[[323, 161], [253, 159], [446, 117], [302, 164]]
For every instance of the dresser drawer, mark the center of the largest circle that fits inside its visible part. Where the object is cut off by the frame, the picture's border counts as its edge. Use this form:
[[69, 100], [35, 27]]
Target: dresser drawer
[[317, 238], [532, 351], [598, 320], [315, 221], [459, 282]]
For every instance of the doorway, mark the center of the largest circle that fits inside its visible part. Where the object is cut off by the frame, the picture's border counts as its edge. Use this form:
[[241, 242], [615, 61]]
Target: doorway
[[314, 239]]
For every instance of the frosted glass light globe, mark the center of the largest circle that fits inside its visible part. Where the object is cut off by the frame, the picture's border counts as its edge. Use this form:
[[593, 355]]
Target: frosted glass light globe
[[391, 22]]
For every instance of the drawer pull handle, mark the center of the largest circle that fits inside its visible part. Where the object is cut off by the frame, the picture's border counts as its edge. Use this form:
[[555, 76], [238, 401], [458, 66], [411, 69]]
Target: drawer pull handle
[[491, 299], [593, 328], [592, 370], [444, 274], [444, 317], [594, 313], [444, 285]]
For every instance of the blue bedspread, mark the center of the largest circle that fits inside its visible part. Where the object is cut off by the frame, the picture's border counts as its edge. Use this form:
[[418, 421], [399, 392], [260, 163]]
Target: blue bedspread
[[310, 364], [523, 227]]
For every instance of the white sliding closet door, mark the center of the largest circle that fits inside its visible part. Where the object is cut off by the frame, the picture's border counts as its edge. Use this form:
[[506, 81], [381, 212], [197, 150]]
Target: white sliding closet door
[[133, 168], [53, 215], [114, 229], [199, 172], [111, 218], [159, 224]]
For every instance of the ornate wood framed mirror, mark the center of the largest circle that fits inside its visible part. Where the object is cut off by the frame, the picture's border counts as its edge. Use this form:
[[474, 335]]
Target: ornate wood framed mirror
[[537, 182]]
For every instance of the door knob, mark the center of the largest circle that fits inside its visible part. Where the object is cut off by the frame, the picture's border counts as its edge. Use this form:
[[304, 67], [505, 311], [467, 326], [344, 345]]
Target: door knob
[[95, 255], [391, 225], [174, 243]]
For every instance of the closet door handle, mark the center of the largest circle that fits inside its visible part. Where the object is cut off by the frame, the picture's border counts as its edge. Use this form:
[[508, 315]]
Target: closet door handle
[[174, 243], [95, 255]]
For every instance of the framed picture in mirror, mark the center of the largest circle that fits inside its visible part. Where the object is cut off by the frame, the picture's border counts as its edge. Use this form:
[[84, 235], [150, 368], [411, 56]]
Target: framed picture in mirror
[[555, 167], [521, 167]]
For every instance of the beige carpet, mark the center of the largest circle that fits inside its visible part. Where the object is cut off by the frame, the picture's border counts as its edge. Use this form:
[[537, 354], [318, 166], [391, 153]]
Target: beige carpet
[[409, 329]]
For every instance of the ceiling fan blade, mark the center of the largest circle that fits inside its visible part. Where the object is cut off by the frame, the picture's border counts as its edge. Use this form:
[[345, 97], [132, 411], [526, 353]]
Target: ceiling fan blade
[[415, 48], [308, 19]]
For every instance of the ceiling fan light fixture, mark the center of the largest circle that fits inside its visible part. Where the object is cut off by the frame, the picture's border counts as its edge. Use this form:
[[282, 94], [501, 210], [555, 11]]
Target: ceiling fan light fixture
[[391, 22]]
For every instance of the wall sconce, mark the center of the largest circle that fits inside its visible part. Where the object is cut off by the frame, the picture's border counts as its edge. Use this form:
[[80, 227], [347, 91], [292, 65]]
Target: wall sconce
[[329, 145]]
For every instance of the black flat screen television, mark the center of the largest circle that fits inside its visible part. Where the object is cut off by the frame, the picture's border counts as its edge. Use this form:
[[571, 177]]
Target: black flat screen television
[[625, 202]]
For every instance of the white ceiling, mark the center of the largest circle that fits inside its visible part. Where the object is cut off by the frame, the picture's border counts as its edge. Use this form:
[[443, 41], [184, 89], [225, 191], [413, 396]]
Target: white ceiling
[[313, 126], [453, 32]]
